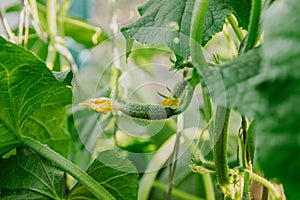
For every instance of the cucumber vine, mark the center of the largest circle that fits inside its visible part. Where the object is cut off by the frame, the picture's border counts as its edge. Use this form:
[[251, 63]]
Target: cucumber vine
[[241, 82]]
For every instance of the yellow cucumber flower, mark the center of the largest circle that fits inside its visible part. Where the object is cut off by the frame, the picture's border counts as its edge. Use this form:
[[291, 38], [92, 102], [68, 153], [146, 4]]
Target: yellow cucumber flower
[[101, 104], [170, 102], [173, 100]]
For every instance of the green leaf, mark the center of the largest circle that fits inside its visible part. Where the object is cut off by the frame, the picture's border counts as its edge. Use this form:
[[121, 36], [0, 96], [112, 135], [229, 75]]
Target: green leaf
[[83, 32], [13, 8], [241, 10], [164, 22], [217, 12], [115, 173], [233, 83], [29, 176], [36, 44], [32, 101], [168, 22], [143, 56], [278, 127]]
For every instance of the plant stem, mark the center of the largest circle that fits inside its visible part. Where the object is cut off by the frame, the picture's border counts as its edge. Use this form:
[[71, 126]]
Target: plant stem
[[21, 26], [52, 30], [26, 9], [186, 101], [115, 68], [68, 166], [198, 59], [208, 187], [253, 28], [246, 194], [245, 157], [264, 182], [235, 27], [199, 62], [98, 31], [10, 35], [65, 5], [241, 149], [265, 193], [177, 193], [51, 17], [36, 20], [208, 114], [174, 156], [196, 151], [220, 148], [157, 162]]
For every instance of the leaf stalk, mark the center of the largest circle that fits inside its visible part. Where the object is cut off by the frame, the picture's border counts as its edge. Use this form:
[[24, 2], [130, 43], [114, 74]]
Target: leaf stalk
[[66, 165]]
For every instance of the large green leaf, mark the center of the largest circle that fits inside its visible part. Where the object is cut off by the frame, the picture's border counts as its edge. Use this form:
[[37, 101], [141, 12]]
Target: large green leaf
[[241, 10], [32, 101], [115, 173], [278, 127], [161, 23], [28, 176], [217, 12], [233, 83], [168, 22]]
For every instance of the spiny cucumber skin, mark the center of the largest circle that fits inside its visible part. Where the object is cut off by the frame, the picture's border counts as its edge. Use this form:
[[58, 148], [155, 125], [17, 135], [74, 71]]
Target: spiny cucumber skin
[[155, 112], [147, 111], [179, 88]]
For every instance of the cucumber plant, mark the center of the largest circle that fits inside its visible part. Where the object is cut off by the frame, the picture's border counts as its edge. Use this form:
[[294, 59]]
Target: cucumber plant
[[255, 86]]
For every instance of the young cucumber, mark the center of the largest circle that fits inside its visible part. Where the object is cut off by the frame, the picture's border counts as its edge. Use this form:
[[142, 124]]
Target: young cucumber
[[179, 88], [147, 111]]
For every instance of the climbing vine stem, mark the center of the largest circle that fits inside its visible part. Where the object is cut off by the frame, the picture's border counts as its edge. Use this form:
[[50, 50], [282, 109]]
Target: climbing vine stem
[[199, 63], [220, 148], [52, 31], [235, 27], [198, 59], [266, 183], [253, 28]]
